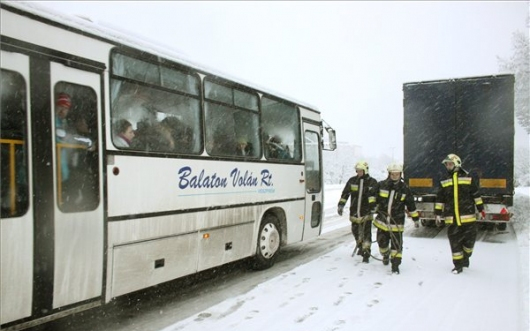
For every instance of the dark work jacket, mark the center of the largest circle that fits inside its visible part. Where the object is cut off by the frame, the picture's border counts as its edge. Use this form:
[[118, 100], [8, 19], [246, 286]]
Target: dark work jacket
[[401, 199], [462, 209], [352, 190]]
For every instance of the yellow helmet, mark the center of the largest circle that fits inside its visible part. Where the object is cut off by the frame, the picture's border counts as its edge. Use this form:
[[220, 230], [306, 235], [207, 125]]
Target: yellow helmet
[[362, 165], [453, 158]]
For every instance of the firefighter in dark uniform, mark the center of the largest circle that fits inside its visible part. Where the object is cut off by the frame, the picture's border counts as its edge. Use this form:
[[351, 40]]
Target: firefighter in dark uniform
[[456, 201], [357, 189], [392, 199]]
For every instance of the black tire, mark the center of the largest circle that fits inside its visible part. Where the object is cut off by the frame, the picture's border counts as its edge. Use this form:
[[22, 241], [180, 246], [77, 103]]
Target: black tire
[[268, 243]]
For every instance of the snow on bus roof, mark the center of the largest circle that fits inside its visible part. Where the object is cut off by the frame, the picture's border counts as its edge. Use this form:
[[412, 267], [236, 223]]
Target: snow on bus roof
[[116, 34]]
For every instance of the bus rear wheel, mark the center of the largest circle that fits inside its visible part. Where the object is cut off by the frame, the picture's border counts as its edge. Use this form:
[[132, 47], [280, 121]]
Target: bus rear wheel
[[268, 243]]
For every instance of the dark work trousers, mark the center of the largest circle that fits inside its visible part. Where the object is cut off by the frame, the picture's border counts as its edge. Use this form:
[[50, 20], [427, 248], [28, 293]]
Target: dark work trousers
[[395, 239], [462, 240], [362, 232]]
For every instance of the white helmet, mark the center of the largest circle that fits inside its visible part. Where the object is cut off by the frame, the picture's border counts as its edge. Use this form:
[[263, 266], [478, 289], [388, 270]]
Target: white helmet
[[362, 165], [453, 158], [395, 167]]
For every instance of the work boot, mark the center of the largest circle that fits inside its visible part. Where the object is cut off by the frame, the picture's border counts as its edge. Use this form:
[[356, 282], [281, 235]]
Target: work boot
[[366, 258], [465, 263], [457, 270], [395, 269], [386, 259]]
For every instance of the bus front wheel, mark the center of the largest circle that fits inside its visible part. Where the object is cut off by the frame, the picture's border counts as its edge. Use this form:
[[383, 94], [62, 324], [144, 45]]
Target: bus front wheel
[[268, 244]]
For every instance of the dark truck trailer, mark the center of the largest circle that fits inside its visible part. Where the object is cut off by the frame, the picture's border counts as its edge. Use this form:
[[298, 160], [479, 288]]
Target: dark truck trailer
[[472, 118]]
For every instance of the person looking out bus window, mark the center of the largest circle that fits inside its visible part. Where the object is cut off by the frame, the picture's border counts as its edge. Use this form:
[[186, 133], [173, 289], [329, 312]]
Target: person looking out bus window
[[62, 109], [357, 189], [124, 133], [179, 133], [276, 149], [75, 146], [243, 147]]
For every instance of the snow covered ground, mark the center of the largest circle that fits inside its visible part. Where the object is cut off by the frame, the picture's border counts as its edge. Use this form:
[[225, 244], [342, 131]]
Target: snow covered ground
[[337, 292]]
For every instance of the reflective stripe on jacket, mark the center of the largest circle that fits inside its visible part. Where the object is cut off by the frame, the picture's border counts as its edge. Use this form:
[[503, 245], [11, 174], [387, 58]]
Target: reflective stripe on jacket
[[352, 190], [393, 199], [457, 197]]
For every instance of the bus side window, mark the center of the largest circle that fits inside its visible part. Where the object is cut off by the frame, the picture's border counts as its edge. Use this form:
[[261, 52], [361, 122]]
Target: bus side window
[[76, 136], [13, 144], [163, 107], [161, 121], [232, 121], [281, 127]]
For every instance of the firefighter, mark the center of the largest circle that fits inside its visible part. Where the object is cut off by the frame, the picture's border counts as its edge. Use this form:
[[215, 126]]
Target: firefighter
[[357, 189], [392, 198], [456, 201]]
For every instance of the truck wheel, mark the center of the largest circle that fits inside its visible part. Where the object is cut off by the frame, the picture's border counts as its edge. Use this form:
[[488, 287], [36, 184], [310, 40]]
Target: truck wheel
[[268, 244], [501, 226]]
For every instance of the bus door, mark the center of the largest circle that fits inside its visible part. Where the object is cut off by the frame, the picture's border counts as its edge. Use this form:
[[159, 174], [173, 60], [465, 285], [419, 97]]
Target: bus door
[[16, 222], [77, 204], [313, 181]]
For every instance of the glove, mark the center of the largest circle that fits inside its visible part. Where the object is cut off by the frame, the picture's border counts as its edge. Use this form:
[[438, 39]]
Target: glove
[[482, 215], [416, 224], [340, 209], [438, 220]]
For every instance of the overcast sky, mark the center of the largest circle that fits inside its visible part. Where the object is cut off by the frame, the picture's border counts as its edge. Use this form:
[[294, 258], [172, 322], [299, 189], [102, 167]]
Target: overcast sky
[[347, 59]]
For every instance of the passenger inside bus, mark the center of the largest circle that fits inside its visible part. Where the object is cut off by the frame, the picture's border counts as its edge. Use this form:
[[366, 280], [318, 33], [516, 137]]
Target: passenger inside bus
[[276, 149], [123, 133], [181, 134], [244, 147], [62, 109], [154, 137], [75, 145]]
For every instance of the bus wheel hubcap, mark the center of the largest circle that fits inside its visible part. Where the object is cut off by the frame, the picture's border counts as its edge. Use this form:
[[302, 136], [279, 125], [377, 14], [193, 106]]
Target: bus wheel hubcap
[[269, 241]]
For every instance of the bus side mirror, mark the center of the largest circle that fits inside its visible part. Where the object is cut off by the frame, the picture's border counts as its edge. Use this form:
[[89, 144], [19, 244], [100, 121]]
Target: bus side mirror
[[332, 139]]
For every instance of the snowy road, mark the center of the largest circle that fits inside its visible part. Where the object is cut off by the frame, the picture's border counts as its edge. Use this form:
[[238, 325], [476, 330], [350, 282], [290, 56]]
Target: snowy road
[[319, 286]]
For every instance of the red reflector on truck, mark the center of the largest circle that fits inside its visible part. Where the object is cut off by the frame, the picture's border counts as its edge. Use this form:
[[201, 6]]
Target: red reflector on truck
[[503, 216], [500, 217]]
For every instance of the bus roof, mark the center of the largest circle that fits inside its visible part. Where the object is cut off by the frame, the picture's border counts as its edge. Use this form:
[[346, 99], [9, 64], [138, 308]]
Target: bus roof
[[117, 35]]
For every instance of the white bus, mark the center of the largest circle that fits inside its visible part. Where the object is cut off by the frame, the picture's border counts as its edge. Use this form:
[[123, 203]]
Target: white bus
[[124, 166]]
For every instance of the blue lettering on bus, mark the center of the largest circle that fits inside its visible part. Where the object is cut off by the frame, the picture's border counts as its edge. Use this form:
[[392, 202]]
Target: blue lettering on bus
[[201, 181], [239, 178], [243, 180], [266, 178]]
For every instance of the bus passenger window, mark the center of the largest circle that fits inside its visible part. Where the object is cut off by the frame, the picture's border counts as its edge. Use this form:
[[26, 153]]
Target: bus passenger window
[[76, 136], [163, 109], [232, 121], [281, 130], [14, 188]]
